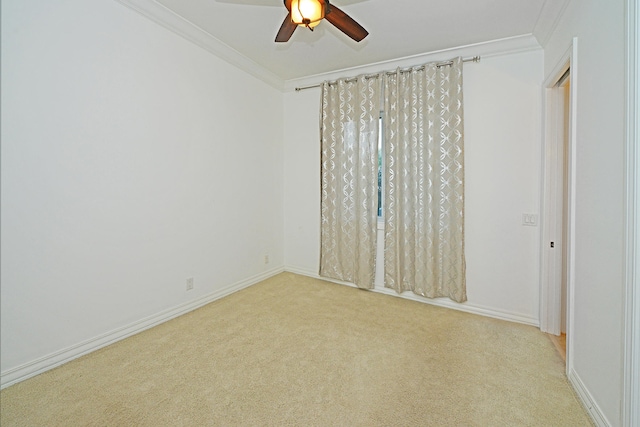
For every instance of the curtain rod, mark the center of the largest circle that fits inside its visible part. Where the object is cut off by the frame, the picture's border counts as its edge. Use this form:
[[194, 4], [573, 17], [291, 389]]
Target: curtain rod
[[368, 76]]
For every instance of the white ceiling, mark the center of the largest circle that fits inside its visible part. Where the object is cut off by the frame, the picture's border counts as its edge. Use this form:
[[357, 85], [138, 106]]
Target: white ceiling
[[397, 29]]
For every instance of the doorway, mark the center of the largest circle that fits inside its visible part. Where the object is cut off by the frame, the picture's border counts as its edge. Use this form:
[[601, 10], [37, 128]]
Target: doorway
[[557, 239], [563, 88]]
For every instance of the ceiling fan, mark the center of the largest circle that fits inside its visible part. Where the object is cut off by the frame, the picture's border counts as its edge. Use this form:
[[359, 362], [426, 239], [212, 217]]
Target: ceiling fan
[[309, 13]]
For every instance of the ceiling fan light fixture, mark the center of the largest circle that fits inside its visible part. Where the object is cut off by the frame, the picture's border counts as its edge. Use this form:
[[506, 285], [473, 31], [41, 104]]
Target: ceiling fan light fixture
[[307, 13]]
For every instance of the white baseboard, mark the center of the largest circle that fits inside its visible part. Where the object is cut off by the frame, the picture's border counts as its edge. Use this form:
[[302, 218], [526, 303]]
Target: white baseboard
[[45, 363], [441, 302], [587, 400]]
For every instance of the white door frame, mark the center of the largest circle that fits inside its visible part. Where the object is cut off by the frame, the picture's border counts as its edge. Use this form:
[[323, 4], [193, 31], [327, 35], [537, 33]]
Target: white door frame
[[551, 221], [631, 368]]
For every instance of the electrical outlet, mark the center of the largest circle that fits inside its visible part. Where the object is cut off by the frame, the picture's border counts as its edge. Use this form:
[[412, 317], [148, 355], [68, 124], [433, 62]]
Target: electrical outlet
[[266, 259], [190, 283]]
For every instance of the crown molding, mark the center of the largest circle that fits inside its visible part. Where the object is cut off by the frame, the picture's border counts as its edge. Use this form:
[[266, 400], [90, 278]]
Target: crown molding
[[168, 19], [187, 30], [506, 46], [548, 19]]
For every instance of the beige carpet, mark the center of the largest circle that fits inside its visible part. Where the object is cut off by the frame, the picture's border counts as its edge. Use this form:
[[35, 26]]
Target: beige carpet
[[302, 352]]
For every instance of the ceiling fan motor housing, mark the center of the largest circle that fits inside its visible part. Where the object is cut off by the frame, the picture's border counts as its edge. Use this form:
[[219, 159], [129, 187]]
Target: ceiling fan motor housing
[[308, 13]]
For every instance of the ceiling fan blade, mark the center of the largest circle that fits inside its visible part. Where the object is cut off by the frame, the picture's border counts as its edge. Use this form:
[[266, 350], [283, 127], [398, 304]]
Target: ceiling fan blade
[[286, 30], [345, 23]]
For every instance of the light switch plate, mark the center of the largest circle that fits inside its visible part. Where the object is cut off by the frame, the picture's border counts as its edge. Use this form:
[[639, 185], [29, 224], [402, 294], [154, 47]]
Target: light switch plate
[[530, 220]]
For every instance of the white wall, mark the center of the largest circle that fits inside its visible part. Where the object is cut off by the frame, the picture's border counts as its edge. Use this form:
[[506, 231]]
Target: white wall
[[131, 160], [120, 140], [302, 181], [598, 330], [502, 161]]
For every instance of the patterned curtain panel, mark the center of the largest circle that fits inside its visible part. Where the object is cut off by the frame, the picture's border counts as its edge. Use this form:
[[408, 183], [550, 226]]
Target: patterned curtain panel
[[350, 116], [424, 192]]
